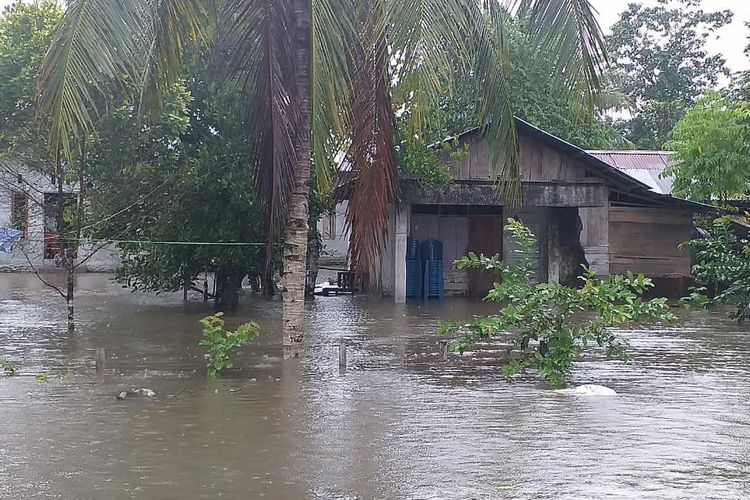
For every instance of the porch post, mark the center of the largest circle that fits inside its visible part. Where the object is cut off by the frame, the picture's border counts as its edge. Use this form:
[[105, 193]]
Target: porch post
[[553, 247], [403, 219]]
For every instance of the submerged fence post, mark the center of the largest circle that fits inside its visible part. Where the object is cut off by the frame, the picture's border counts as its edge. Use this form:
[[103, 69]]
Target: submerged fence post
[[342, 354], [443, 349], [100, 360]]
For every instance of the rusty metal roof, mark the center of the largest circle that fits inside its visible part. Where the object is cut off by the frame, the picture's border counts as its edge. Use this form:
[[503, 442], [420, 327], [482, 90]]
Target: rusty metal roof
[[644, 166]]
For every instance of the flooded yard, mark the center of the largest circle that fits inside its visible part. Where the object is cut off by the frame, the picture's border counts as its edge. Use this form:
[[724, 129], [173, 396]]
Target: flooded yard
[[397, 424]]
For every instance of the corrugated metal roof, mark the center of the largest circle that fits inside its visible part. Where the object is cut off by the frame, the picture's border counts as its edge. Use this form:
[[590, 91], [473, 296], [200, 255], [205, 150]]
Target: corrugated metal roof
[[644, 166]]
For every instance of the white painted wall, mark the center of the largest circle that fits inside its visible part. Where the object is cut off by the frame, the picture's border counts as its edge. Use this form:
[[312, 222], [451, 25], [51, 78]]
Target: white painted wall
[[35, 185], [334, 236]]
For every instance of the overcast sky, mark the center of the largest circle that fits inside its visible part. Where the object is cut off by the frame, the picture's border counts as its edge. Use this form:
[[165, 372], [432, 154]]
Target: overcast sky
[[731, 42]]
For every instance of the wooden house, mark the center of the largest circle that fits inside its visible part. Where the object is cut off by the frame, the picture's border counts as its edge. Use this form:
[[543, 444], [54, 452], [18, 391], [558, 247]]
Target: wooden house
[[582, 207]]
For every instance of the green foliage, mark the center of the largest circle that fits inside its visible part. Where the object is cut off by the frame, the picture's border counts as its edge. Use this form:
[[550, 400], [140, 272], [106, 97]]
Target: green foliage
[[9, 368], [722, 263], [535, 93], [183, 177], [712, 144], [561, 320], [426, 162], [662, 62], [221, 343], [545, 101], [26, 30]]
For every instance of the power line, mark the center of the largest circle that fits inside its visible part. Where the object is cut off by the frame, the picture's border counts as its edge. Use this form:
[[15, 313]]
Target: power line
[[159, 242]]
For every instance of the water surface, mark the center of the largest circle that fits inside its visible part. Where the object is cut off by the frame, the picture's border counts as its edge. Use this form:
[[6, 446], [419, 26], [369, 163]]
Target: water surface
[[397, 424]]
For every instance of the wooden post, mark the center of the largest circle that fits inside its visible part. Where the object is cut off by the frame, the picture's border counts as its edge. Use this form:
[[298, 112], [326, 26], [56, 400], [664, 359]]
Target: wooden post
[[205, 286], [443, 350], [100, 359], [342, 354], [185, 291]]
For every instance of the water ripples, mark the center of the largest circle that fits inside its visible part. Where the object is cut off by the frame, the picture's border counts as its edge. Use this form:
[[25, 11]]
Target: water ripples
[[398, 423]]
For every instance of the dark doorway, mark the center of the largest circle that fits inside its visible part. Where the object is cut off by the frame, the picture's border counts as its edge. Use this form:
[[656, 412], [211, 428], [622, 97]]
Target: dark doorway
[[485, 237]]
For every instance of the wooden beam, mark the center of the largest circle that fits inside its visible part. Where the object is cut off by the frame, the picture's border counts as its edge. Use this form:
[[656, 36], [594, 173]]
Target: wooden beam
[[535, 194]]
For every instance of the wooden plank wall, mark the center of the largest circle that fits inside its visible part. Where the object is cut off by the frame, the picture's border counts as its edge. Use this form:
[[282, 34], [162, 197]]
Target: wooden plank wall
[[453, 231], [540, 163], [595, 238], [646, 240]]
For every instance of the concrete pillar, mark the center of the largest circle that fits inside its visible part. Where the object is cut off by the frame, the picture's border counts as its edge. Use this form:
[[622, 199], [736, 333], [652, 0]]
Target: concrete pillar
[[387, 258], [403, 220], [553, 247]]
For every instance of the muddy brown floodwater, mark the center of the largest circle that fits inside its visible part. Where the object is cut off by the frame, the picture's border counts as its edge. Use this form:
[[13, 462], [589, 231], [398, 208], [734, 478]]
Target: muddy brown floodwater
[[397, 424]]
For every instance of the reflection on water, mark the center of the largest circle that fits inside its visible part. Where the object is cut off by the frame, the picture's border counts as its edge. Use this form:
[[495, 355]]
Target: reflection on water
[[396, 424]]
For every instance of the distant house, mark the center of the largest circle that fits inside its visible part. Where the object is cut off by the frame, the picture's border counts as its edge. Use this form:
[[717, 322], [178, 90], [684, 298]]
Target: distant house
[[334, 235], [28, 203], [608, 210]]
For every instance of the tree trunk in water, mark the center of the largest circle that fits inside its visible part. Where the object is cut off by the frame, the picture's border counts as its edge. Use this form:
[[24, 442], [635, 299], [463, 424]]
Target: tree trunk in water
[[295, 247], [313, 256], [70, 269], [228, 284]]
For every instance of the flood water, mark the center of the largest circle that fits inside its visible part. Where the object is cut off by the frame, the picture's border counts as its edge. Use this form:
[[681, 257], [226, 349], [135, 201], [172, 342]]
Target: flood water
[[397, 424]]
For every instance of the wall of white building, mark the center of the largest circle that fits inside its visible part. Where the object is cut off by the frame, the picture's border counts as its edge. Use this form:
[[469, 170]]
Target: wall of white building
[[15, 178], [335, 238]]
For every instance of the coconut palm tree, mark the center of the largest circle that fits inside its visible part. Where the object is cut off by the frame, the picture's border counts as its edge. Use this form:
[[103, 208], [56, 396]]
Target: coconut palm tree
[[319, 76]]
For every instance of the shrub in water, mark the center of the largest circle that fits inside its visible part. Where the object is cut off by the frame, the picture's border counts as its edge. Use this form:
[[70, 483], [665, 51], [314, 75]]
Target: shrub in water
[[722, 263], [9, 368], [221, 343], [553, 315]]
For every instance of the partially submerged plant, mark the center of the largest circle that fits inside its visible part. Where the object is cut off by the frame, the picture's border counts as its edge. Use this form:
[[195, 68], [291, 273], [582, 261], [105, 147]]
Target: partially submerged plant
[[553, 315], [221, 343], [9, 368], [722, 263]]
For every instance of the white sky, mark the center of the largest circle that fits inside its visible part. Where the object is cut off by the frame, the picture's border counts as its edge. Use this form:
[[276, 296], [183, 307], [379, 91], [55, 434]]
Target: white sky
[[731, 43], [732, 39]]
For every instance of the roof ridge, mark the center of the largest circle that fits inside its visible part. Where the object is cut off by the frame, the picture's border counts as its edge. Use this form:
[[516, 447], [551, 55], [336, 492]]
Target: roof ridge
[[629, 152]]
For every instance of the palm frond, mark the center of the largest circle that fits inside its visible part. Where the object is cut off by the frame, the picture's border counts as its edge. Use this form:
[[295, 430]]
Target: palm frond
[[170, 26], [427, 40], [95, 47], [568, 32], [259, 45], [333, 36], [372, 152], [495, 114]]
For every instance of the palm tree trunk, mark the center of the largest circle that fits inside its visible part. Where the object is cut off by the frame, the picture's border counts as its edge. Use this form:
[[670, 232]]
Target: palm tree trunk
[[295, 249]]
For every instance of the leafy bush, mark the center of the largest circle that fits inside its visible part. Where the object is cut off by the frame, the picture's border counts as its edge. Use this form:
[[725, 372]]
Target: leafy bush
[[9, 368], [553, 315], [722, 263], [221, 343]]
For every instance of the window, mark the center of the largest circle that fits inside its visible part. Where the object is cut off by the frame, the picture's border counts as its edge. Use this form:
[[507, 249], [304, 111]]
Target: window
[[19, 212]]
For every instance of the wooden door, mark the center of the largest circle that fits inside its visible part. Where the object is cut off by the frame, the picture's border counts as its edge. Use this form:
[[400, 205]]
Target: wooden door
[[485, 237]]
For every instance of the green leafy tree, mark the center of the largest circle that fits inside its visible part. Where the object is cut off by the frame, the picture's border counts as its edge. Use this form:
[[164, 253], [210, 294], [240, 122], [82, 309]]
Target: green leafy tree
[[315, 75], [712, 145], [536, 94], [722, 263], [183, 181], [26, 31], [661, 53], [562, 321]]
